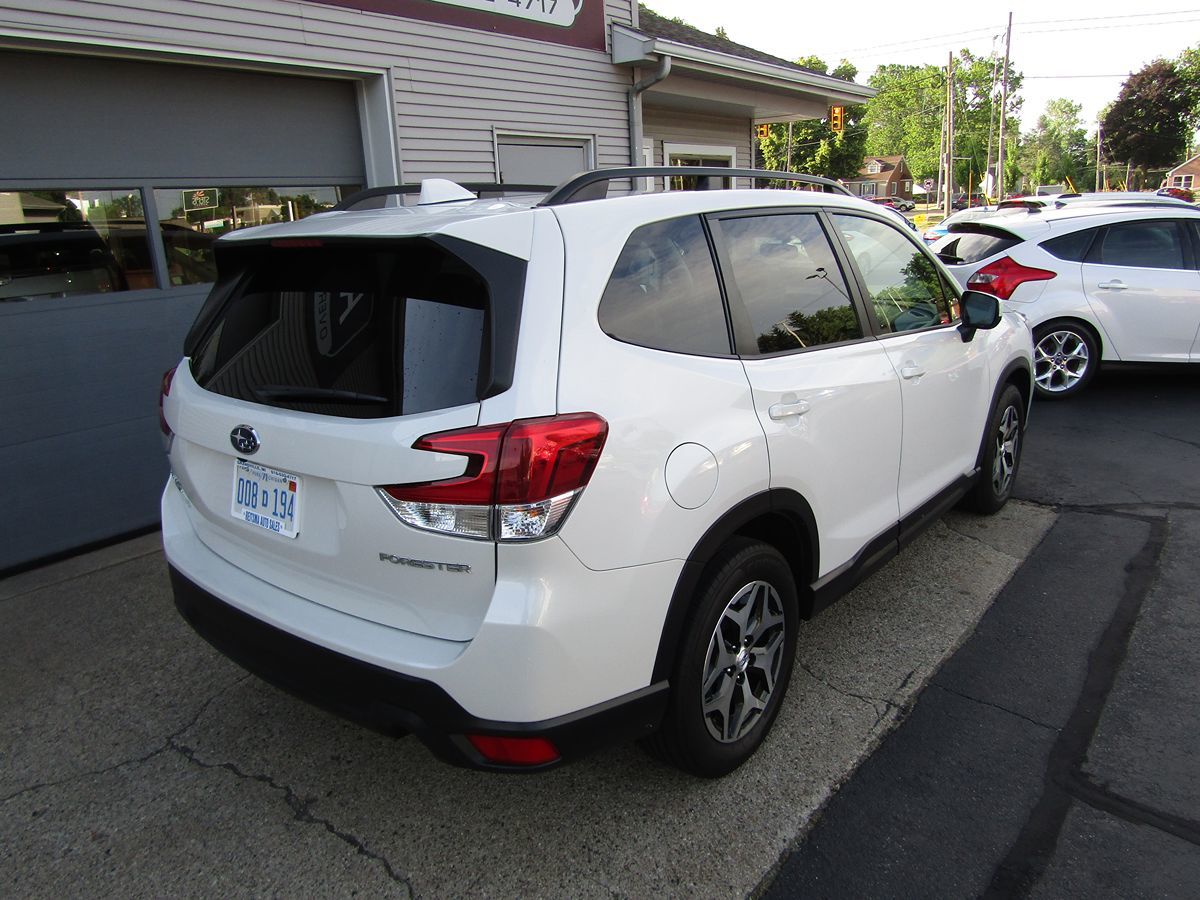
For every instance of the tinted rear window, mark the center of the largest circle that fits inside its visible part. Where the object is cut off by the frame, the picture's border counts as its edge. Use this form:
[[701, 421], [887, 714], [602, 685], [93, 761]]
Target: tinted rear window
[[354, 330], [960, 248], [1072, 246]]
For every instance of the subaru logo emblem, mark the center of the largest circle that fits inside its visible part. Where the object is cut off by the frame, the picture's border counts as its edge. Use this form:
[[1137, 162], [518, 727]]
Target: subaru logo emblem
[[244, 439]]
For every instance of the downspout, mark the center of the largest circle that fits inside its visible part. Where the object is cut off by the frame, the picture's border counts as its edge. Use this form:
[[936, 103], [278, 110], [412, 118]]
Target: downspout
[[635, 109]]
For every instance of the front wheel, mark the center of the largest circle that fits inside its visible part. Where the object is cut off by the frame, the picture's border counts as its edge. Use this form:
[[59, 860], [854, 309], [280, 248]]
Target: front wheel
[[734, 663], [1001, 454], [1065, 357]]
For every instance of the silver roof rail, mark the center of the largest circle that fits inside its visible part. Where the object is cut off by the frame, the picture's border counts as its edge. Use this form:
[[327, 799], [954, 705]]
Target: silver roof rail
[[594, 185]]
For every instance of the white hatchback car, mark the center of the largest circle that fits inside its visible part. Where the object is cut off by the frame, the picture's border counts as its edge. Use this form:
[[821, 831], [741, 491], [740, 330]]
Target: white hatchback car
[[1112, 283], [524, 476]]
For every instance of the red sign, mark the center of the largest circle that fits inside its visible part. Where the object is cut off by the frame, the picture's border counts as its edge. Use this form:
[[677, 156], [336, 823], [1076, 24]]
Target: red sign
[[576, 23]]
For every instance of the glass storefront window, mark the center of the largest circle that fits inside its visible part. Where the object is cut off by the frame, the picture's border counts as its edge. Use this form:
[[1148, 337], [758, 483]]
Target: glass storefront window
[[56, 243], [192, 218]]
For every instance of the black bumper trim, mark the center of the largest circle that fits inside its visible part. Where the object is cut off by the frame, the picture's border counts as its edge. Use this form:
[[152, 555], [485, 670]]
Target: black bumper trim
[[396, 704]]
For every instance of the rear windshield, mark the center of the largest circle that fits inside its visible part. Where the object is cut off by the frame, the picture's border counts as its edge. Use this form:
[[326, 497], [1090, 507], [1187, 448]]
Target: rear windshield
[[355, 330], [970, 246]]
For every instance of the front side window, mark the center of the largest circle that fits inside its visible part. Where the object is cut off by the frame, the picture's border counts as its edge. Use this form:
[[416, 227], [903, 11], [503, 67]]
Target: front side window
[[663, 291], [58, 243], [906, 289], [790, 282], [1148, 245]]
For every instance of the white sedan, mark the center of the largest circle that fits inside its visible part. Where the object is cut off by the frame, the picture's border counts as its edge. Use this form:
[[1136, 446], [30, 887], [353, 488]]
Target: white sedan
[[1111, 284]]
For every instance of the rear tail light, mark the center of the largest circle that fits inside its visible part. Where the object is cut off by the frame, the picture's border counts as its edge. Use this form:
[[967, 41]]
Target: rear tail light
[[514, 751], [1004, 276], [164, 391], [521, 480]]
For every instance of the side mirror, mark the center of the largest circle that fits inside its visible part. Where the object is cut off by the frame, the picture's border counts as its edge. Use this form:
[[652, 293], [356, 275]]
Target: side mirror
[[978, 310]]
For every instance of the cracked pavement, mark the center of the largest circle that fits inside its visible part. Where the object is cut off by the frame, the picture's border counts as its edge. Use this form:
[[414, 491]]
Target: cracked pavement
[[136, 761]]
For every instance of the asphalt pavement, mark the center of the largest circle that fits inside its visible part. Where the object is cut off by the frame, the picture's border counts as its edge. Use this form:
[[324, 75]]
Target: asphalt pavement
[[1055, 754]]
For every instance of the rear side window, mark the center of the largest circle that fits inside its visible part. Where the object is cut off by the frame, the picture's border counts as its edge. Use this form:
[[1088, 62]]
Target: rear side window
[[663, 291], [790, 282], [353, 330], [1148, 245], [963, 247], [1073, 247]]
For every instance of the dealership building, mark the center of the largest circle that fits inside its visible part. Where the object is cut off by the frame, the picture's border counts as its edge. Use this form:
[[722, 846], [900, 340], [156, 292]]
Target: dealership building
[[138, 131]]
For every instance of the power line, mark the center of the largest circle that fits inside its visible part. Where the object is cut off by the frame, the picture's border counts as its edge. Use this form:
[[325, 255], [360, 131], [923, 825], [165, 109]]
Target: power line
[[1173, 12], [1115, 75]]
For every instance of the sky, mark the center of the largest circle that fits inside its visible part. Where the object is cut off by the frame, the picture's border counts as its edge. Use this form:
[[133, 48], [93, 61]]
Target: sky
[[1068, 48]]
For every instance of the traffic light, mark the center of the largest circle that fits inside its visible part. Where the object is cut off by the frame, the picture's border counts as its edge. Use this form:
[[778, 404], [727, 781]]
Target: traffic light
[[764, 132], [837, 118]]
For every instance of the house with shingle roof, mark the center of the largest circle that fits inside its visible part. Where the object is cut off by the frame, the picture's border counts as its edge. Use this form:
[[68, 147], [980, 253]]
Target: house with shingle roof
[[883, 176]]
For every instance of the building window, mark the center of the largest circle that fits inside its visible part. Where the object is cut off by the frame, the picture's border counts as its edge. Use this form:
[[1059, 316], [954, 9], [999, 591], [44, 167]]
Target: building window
[[541, 159], [868, 189], [58, 243], [1182, 181], [894, 188], [698, 155], [874, 168], [907, 187]]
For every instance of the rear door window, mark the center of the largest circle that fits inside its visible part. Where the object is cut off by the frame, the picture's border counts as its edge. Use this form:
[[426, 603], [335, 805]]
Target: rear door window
[[1072, 247], [1149, 245], [353, 330]]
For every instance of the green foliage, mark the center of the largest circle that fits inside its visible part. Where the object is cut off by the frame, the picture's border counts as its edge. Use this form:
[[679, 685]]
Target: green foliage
[[1057, 148], [1150, 123], [906, 116], [816, 148], [825, 326]]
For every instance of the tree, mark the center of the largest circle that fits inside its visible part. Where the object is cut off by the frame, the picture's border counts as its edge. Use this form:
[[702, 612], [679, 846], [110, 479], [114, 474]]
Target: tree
[[816, 148], [1149, 124], [905, 117], [1057, 148]]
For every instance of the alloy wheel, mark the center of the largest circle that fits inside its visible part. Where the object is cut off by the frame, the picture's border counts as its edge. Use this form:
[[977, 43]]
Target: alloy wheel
[[741, 667], [1008, 440], [1060, 361]]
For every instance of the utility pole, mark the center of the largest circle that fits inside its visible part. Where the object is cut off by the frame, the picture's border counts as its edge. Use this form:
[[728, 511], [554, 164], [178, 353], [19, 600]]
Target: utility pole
[[949, 134], [1099, 131], [1003, 110]]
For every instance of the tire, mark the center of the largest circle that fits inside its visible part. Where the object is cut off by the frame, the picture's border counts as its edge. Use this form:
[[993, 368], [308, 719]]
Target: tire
[[1065, 358], [725, 699], [1002, 448]]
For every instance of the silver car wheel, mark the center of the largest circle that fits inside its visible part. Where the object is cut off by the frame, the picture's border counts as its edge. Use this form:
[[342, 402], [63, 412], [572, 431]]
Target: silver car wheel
[[1008, 440], [742, 664], [1060, 361]]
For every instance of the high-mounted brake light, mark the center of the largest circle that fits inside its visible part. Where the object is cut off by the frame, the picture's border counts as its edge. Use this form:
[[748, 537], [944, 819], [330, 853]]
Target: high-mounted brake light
[[520, 482], [1004, 276], [164, 390]]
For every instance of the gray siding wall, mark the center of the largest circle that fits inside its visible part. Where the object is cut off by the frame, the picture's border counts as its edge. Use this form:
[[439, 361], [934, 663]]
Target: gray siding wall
[[452, 86], [675, 127]]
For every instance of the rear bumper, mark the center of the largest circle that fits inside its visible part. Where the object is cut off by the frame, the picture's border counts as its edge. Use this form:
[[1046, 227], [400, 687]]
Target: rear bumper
[[395, 703]]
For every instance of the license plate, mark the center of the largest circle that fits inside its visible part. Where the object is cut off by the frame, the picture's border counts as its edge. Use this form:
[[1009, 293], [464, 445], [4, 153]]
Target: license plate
[[266, 498]]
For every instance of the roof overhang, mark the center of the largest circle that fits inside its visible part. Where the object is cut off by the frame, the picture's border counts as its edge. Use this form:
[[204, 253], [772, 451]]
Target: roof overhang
[[773, 83]]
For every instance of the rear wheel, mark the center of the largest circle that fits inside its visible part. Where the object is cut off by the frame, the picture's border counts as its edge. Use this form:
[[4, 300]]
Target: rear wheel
[[1001, 455], [734, 664], [1065, 357]]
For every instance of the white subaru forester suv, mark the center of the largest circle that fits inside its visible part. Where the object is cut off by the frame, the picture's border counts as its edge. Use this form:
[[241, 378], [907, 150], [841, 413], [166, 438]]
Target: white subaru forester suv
[[528, 475]]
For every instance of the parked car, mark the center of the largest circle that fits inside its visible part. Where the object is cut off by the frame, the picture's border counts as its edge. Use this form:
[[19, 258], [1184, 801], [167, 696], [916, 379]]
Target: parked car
[[889, 202], [525, 476], [968, 201], [904, 204], [1112, 284], [942, 228]]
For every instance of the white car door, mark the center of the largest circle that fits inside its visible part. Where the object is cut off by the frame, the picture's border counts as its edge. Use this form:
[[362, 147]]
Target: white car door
[[945, 382], [1142, 284], [825, 393]]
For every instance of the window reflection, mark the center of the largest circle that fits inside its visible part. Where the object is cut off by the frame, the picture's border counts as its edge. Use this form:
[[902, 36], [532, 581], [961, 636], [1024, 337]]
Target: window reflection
[[56, 243], [906, 291], [192, 218]]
